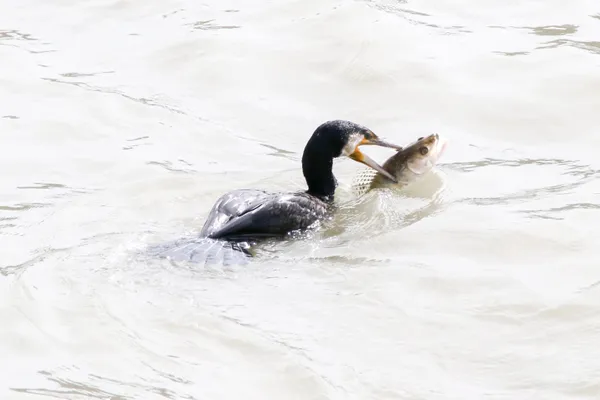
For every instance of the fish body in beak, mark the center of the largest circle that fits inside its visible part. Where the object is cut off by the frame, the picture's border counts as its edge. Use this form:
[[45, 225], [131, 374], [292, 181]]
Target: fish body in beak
[[372, 140]]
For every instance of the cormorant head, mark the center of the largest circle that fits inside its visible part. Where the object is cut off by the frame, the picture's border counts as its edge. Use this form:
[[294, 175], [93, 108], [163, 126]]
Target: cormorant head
[[343, 138]]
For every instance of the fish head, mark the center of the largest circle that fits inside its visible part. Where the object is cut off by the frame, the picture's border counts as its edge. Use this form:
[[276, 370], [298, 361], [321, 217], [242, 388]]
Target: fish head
[[423, 155]]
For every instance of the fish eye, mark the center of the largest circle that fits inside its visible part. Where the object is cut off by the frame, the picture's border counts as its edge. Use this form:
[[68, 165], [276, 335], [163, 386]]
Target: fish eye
[[423, 150]]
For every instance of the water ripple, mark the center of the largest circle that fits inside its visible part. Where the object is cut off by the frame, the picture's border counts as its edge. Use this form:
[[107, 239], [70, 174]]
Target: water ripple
[[549, 213], [69, 387], [23, 206], [277, 152], [522, 195], [168, 165], [209, 25], [136, 142], [7, 36], [42, 185], [468, 166], [416, 17], [84, 75], [161, 391], [141, 100], [15, 35], [554, 30], [17, 269], [551, 30], [583, 173], [592, 47]]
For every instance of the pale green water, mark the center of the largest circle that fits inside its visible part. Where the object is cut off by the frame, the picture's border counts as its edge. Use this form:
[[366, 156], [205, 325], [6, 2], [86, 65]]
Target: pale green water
[[121, 122]]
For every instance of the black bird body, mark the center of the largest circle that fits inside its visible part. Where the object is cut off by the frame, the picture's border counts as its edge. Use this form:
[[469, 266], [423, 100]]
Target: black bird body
[[244, 216], [249, 213]]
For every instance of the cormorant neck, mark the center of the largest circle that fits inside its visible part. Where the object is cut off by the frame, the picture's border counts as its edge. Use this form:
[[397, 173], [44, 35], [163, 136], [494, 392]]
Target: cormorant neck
[[317, 167]]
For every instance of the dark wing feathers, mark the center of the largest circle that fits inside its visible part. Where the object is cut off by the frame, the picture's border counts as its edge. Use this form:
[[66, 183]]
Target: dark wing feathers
[[231, 205], [247, 213]]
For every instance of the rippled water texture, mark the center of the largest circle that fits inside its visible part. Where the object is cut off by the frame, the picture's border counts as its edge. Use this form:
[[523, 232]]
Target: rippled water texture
[[121, 122]]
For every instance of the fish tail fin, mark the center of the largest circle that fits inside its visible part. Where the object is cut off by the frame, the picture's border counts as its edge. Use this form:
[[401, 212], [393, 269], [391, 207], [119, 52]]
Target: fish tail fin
[[206, 251]]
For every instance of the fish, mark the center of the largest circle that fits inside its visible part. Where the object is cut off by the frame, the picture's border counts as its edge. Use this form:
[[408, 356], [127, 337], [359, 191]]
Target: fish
[[407, 165]]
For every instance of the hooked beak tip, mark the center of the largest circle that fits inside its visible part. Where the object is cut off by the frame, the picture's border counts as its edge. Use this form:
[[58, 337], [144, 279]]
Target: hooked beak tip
[[390, 177]]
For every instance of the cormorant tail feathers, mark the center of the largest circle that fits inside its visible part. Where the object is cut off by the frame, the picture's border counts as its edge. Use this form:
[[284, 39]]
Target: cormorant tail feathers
[[205, 251]]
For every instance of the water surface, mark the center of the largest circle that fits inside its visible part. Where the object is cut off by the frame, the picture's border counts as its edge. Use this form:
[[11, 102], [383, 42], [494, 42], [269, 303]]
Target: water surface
[[122, 122]]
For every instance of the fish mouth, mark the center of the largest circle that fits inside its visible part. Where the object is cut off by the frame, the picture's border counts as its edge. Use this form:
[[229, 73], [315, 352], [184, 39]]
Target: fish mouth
[[441, 146]]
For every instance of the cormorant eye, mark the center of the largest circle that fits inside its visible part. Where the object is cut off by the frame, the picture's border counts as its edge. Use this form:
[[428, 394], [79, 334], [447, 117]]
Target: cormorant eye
[[423, 150]]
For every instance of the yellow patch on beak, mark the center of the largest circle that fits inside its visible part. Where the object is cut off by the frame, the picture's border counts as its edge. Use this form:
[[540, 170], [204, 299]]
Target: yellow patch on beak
[[364, 141], [357, 155]]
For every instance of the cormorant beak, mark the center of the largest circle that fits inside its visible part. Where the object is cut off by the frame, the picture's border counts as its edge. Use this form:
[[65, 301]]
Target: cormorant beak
[[357, 155], [378, 142]]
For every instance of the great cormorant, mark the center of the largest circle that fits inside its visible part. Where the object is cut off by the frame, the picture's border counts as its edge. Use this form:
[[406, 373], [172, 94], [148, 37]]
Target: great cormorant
[[244, 216]]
